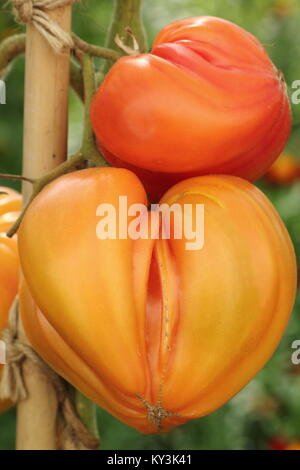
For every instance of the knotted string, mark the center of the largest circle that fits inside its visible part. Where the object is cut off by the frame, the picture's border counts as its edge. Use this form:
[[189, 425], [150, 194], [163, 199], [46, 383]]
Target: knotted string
[[35, 12]]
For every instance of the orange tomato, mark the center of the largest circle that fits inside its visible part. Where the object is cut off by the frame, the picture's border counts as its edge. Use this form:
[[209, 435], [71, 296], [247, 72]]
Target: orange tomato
[[10, 205], [286, 170], [207, 99], [293, 446], [154, 333]]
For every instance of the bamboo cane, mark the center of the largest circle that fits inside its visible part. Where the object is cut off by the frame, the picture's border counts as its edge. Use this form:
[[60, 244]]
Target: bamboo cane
[[44, 147]]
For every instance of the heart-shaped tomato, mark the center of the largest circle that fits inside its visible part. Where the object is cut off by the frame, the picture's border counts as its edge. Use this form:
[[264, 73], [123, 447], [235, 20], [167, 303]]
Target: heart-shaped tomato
[[153, 331]]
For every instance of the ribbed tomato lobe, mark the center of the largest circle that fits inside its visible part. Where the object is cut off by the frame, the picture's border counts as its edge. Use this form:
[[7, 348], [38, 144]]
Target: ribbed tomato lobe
[[206, 100]]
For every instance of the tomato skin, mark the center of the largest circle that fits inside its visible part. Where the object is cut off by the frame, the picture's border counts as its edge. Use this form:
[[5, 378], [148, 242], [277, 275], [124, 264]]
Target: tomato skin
[[131, 322], [10, 205], [206, 100]]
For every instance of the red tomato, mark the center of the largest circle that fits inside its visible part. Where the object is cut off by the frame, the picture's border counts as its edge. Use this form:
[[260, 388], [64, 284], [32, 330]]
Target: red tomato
[[207, 99]]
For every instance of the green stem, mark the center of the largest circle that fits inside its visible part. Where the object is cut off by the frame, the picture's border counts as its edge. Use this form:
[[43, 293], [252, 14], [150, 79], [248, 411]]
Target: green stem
[[76, 79], [40, 183], [127, 14], [89, 149], [96, 51], [16, 177], [10, 49]]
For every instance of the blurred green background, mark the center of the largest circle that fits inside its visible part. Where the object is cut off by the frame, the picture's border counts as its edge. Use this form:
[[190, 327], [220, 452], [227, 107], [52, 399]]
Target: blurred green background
[[268, 409]]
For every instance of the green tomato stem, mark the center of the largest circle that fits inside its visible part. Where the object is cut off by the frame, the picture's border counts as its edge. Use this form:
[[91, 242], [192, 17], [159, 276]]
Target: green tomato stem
[[10, 48], [16, 177], [126, 15], [95, 51]]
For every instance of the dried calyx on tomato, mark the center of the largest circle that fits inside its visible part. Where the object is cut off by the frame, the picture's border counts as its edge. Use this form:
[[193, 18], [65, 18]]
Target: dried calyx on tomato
[[10, 205], [155, 333], [207, 99]]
